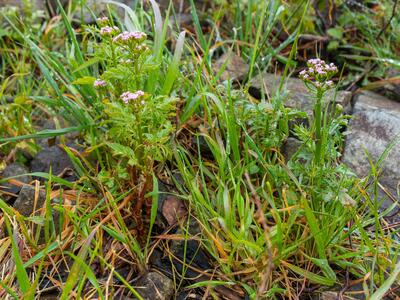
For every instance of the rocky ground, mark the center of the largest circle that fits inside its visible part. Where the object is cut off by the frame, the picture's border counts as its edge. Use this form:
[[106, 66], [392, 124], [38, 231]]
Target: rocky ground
[[374, 125]]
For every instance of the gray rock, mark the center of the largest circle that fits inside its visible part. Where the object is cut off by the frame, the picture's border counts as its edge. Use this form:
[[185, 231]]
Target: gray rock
[[49, 124], [235, 67], [56, 159], [290, 147], [155, 286], [353, 292], [332, 295], [36, 4], [12, 170], [190, 250], [297, 94], [375, 124], [26, 204], [200, 142]]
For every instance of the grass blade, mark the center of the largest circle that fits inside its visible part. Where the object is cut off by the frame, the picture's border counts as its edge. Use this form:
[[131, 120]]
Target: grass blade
[[173, 67], [380, 293], [22, 275], [312, 277], [89, 273], [197, 27]]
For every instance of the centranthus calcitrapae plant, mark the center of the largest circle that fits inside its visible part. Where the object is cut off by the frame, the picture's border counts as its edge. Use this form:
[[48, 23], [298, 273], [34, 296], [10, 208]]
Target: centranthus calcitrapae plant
[[137, 120], [317, 77]]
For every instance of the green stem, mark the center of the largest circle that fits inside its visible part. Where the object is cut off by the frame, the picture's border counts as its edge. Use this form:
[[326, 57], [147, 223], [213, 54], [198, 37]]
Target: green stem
[[318, 129], [136, 75], [140, 134], [113, 55]]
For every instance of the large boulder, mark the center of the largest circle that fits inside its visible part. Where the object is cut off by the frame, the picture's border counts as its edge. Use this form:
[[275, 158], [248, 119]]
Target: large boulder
[[374, 126]]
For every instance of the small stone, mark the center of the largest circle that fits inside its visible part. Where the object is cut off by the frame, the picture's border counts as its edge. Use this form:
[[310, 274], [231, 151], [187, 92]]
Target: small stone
[[26, 204], [235, 67], [290, 147], [14, 169], [333, 296], [173, 209], [56, 159], [374, 126], [49, 124], [200, 142], [190, 250], [155, 286], [189, 295]]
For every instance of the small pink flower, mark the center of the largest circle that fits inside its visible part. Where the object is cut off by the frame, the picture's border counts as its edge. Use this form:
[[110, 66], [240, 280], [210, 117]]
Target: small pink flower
[[107, 30], [129, 96], [98, 83], [103, 20], [315, 61], [128, 36], [319, 73]]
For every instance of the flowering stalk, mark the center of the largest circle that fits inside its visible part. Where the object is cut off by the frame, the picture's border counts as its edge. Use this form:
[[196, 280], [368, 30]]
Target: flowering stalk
[[317, 79], [137, 99]]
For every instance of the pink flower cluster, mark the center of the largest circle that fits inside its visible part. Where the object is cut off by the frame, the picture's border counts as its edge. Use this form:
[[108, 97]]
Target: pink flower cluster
[[102, 20], [129, 96], [99, 83], [107, 30], [128, 36], [319, 73]]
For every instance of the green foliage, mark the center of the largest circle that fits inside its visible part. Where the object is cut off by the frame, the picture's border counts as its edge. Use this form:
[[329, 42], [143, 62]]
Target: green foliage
[[138, 124], [140, 136]]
